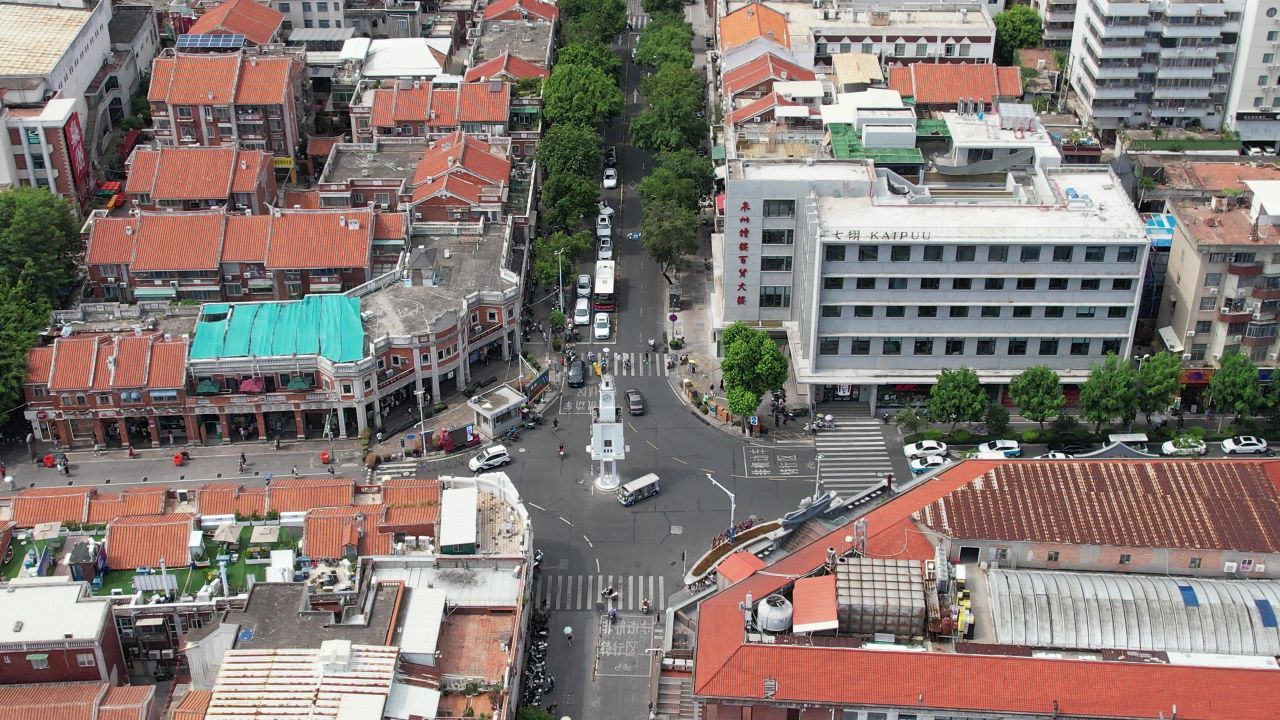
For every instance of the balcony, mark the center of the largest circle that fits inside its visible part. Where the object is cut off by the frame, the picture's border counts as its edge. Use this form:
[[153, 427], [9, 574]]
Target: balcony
[[1262, 341], [1245, 269], [1267, 293], [1228, 314]]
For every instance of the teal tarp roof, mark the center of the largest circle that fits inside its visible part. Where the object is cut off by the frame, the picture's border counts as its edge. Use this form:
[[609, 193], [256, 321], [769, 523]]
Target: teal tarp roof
[[327, 325]]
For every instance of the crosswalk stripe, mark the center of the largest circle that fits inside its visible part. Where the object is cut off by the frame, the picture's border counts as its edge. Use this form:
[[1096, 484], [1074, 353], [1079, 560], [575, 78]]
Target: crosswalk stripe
[[855, 456], [632, 364], [568, 592]]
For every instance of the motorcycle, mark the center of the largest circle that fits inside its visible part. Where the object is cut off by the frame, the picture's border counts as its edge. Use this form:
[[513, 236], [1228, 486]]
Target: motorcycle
[[561, 451], [653, 344], [671, 363], [613, 616], [644, 607], [537, 559]]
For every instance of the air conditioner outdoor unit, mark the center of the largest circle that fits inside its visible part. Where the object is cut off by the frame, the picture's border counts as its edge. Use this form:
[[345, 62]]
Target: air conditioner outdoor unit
[[1213, 291], [1191, 333], [1259, 567], [1237, 338], [1228, 567], [1186, 357], [228, 278]]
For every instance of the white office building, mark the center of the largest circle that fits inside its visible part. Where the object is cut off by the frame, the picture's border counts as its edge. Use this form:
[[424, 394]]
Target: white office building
[[1253, 109], [1155, 63], [878, 282]]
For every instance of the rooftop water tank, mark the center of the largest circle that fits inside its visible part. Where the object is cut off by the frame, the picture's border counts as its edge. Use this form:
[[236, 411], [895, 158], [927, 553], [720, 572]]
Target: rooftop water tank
[[773, 614]]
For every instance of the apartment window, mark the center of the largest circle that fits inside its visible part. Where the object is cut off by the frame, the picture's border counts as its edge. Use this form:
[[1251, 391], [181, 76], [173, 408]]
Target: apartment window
[[1117, 312], [897, 283], [866, 283], [899, 49], [775, 296], [922, 49], [1203, 326], [1054, 311], [895, 311], [1091, 284], [777, 236], [1128, 253], [828, 346], [284, 8], [306, 7], [86, 660], [998, 253], [900, 253], [1198, 351], [1263, 80], [1022, 311], [1213, 279], [104, 399], [1126, 558], [994, 284], [1080, 346], [324, 23], [1057, 283], [923, 346], [846, 47], [966, 253], [1017, 346], [834, 253], [959, 311], [1194, 564], [1048, 346], [1111, 346], [991, 311], [927, 311], [949, 50], [863, 311], [1094, 253], [1257, 101], [930, 283], [1086, 311], [891, 346], [933, 253], [1052, 556], [1207, 302], [1030, 253], [1026, 283], [775, 263], [322, 7], [1062, 253], [1122, 284], [1272, 36], [868, 48], [779, 208], [860, 346], [955, 346], [869, 253], [39, 661], [961, 283], [1268, 58], [833, 283], [830, 311], [986, 346]]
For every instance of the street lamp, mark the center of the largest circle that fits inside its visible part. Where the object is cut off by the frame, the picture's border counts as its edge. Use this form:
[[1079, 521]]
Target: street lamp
[[560, 275], [817, 479], [733, 505], [422, 420], [1141, 359]]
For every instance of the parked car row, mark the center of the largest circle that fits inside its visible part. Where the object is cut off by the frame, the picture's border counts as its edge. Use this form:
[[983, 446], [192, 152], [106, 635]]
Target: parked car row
[[928, 455]]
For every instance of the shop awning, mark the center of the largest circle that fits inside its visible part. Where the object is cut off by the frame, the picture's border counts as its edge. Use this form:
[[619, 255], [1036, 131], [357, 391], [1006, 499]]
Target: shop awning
[[739, 566], [251, 385], [814, 600], [298, 383], [155, 292], [720, 204], [207, 387], [38, 656], [717, 152], [526, 110], [1170, 339]]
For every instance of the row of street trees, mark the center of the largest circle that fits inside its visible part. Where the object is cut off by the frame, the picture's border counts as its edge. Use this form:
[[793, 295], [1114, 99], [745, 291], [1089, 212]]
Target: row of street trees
[[671, 123], [581, 93], [40, 246]]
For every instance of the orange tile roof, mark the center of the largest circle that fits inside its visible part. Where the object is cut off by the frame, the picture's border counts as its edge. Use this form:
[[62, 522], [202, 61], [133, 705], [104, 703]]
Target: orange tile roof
[[484, 102], [739, 565], [753, 21], [475, 641], [251, 165], [85, 363], [728, 668], [460, 153], [127, 702], [168, 370], [467, 103], [257, 22], [230, 498], [761, 106], [39, 364], [300, 494], [105, 507], [814, 600], [333, 238], [506, 65], [193, 705], [74, 361], [33, 506], [327, 532], [267, 80], [144, 540], [391, 226], [184, 173], [521, 9], [937, 83], [246, 239], [143, 165], [172, 242], [221, 79], [765, 67], [53, 701], [319, 146], [301, 199], [411, 491], [111, 241]]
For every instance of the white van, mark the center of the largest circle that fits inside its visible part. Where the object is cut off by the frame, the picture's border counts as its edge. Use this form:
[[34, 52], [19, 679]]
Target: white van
[[582, 312]]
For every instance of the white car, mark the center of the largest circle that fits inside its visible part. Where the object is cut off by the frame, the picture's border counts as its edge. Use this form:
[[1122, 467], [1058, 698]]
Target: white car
[[928, 463], [491, 457], [1054, 456], [604, 225], [584, 286], [605, 250], [582, 312], [1007, 448], [1244, 444], [600, 328], [610, 178], [924, 448], [1196, 447]]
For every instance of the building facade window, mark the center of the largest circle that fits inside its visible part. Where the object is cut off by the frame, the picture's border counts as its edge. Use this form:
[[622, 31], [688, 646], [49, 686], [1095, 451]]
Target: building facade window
[[834, 253], [775, 296], [829, 346], [779, 208], [868, 253], [923, 346], [775, 263], [778, 236]]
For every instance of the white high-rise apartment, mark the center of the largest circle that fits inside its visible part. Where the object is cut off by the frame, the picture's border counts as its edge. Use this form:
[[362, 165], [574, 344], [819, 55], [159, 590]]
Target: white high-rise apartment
[[1059, 18], [1254, 106], [1158, 63]]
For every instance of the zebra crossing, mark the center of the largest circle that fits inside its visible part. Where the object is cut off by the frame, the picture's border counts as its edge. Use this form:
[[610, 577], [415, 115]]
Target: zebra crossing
[[855, 457], [582, 592], [637, 22], [632, 364]]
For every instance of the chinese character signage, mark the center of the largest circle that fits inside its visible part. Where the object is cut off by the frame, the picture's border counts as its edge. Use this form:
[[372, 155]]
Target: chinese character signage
[[76, 152], [744, 247]]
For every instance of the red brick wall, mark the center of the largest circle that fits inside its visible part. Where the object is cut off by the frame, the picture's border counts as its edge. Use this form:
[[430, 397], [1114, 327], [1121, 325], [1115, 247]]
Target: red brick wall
[[16, 669], [114, 667]]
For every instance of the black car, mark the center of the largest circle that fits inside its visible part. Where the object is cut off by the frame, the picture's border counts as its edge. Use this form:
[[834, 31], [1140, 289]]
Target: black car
[[577, 376], [611, 156], [1072, 448]]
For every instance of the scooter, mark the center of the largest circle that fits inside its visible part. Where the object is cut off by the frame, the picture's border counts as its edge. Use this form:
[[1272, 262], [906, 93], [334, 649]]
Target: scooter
[[537, 559], [613, 616], [644, 607]]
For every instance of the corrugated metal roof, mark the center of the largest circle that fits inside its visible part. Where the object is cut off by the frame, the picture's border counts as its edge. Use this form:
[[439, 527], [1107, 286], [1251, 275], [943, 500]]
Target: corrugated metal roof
[[310, 683]]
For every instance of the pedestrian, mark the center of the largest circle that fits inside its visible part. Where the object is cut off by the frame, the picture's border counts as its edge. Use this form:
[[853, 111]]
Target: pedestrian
[[379, 437], [97, 449], [775, 419], [555, 423], [331, 471], [170, 437], [785, 419], [295, 471]]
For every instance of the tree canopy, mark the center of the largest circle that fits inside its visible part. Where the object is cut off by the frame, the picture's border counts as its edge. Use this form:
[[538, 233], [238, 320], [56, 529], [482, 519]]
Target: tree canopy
[[1038, 394], [547, 268], [569, 199], [39, 242], [599, 20], [752, 362], [581, 94], [956, 397], [1234, 387], [590, 52], [658, 7], [1110, 393], [668, 232], [666, 39], [570, 149], [1016, 28], [675, 96], [1158, 383]]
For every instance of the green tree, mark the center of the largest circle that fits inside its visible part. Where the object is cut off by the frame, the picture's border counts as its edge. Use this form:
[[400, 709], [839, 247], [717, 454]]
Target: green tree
[[1234, 387], [956, 397], [600, 21], [997, 420], [39, 242], [23, 314], [668, 233], [1016, 28], [675, 84], [742, 402], [664, 126], [910, 420], [752, 361], [590, 52], [1158, 383], [581, 94], [666, 39], [568, 149], [1110, 392], [569, 199], [1037, 393], [533, 712], [657, 7], [681, 178], [547, 267]]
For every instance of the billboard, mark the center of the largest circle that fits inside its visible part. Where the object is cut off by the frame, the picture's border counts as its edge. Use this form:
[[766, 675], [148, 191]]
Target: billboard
[[77, 154]]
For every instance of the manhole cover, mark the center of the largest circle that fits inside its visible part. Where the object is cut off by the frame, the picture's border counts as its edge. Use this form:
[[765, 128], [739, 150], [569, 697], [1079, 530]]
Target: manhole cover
[[677, 529]]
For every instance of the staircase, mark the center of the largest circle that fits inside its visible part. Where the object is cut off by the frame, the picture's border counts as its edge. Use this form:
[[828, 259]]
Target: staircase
[[675, 698], [808, 532]]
